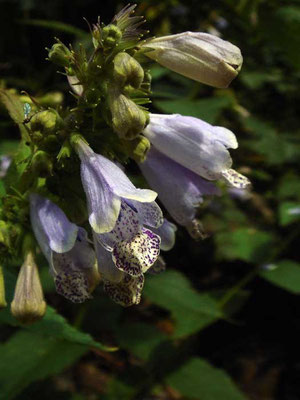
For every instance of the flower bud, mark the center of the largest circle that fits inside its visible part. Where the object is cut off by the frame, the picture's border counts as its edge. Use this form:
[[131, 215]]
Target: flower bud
[[128, 71], [28, 304], [111, 35], [41, 164], [128, 119], [2, 290], [200, 56], [137, 148], [59, 54], [46, 122]]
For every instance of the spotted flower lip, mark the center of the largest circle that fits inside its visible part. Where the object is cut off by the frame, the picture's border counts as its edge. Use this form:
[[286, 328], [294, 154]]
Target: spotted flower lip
[[200, 56], [179, 189], [106, 186], [196, 145], [72, 261]]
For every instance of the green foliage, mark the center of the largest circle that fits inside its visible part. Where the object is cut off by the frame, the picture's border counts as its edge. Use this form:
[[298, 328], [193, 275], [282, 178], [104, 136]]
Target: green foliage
[[191, 311], [207, 109], [285, 274], [197, 379], [27, 357]]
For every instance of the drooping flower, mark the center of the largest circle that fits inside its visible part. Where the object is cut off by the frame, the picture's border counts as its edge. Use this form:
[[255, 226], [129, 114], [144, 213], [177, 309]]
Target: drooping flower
[[121, 287], [200, 56], [180, 190], [197, 145], [119, 214], [72, 261], [107, 187]]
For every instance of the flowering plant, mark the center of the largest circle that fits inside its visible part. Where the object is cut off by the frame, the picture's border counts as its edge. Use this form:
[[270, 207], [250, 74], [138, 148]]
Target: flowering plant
[[66, 190]]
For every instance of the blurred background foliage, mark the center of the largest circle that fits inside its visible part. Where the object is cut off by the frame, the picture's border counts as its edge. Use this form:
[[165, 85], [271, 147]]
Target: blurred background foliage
[[223, 322]]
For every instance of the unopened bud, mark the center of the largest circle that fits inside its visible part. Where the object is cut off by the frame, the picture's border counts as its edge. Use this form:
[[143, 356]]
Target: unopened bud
[[111, 35], [2, 290], [127, 70], [128, 119], [28, 304], [200, 56], [46, 122], [42, 164], [137, 148], [59, 54]]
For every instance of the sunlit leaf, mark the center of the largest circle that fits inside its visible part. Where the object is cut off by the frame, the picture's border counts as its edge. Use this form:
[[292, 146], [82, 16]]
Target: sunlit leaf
[[284, 273]]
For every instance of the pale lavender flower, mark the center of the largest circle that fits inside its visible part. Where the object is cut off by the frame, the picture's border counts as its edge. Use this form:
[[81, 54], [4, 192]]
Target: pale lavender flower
[[197, 145], [167, 234], [107, 187], [5, 162], [118, 212], [65, 245], [180, 190], [200, 56]]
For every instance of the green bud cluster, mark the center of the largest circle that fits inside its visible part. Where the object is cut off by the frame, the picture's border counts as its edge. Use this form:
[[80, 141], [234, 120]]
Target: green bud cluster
[[111, 91]]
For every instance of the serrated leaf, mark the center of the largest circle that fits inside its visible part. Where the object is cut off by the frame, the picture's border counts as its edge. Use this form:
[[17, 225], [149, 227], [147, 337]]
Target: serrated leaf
[[197, 379], [206, 109], [192, 311], [285, 274], [289, 212], [27, 357]]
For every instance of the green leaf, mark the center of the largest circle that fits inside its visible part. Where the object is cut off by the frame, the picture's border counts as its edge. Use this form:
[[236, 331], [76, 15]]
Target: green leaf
[[197, 379], [8, 147], [139, 338], [52, 325], [285, 274], [191, 311], [289, 212], [56, 26], [247, 244], [13, 105], [282, 30], [27, 357], [274, 147], [206, 109]]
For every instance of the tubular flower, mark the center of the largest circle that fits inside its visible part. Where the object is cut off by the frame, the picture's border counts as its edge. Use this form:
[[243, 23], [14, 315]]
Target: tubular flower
[[106, 186], [122, 288], [196, 145], [72, 261], [118, 212], [200, 56], [179, 189]]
